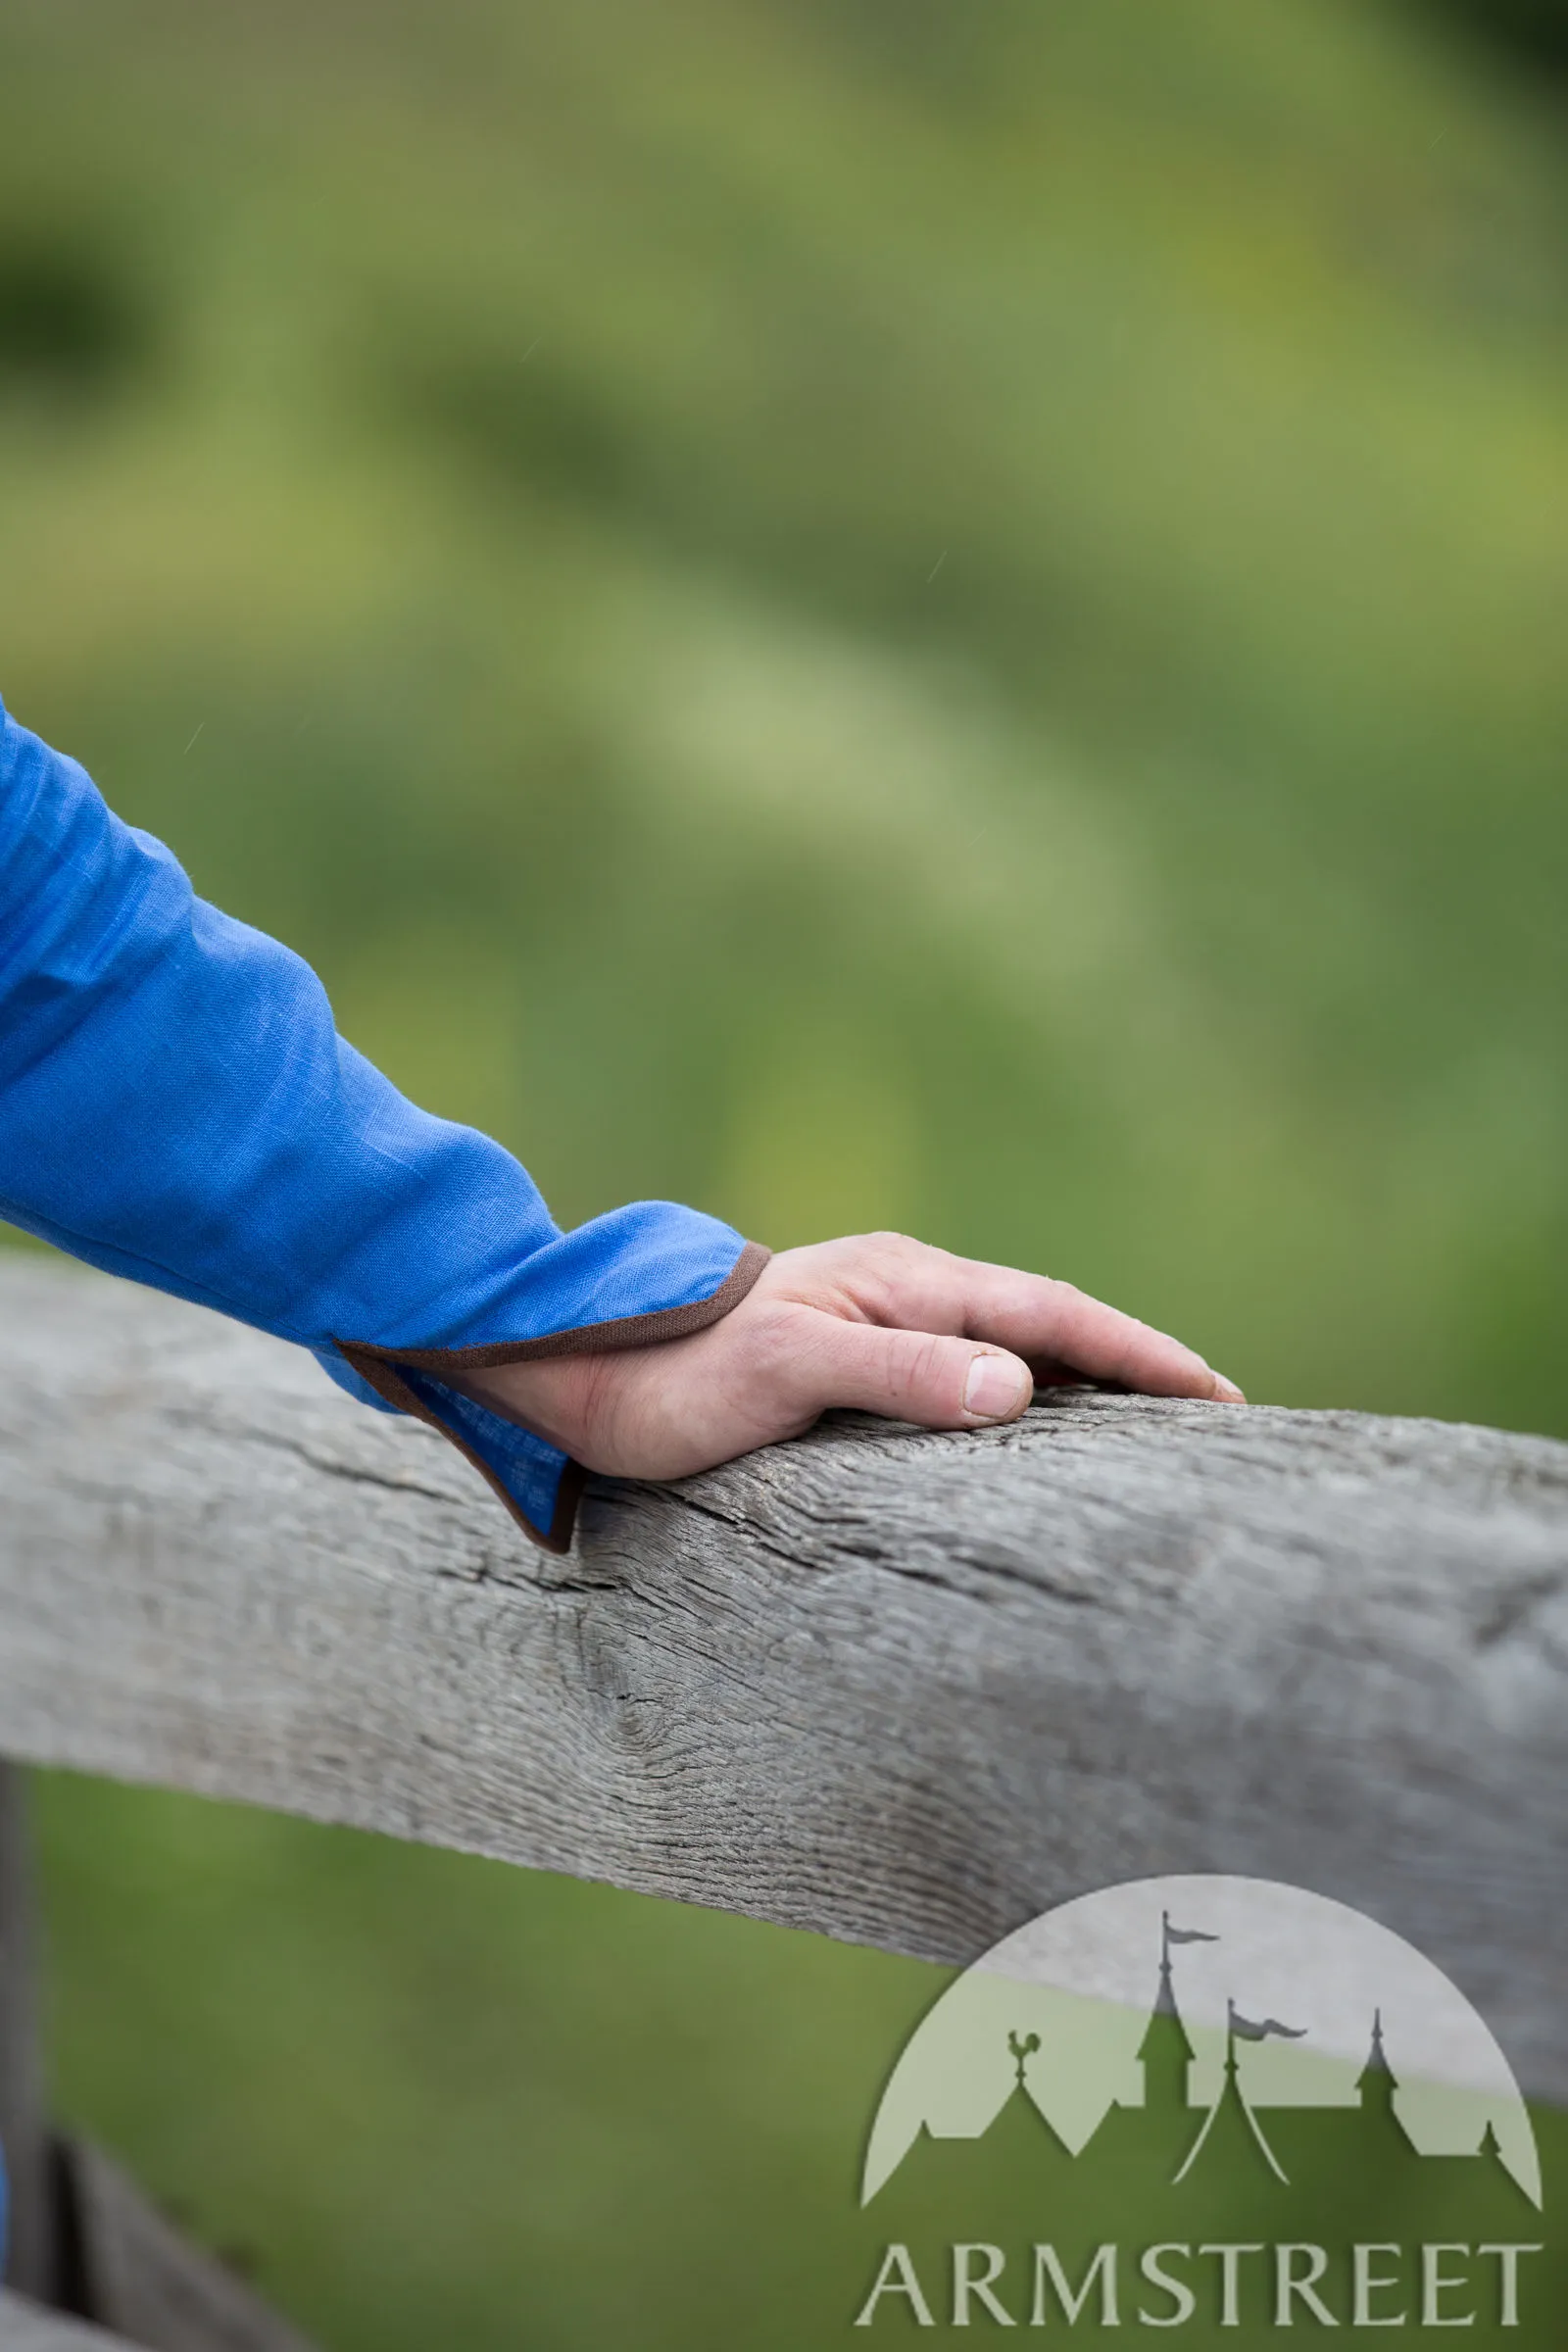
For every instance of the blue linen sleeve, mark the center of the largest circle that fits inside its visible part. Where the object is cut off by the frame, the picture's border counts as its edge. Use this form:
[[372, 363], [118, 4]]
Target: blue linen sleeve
[[176, 1105]]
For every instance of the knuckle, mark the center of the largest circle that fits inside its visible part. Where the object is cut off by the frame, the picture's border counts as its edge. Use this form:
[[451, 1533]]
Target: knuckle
[[901, 1249], [883, 1265], [920, 1369]]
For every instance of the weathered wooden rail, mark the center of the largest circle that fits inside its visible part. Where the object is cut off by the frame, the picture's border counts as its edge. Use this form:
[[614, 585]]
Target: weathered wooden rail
[[897, 1689]]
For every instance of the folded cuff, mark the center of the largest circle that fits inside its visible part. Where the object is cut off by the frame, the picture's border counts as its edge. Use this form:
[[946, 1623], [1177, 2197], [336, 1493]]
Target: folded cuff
[[538, 1483]]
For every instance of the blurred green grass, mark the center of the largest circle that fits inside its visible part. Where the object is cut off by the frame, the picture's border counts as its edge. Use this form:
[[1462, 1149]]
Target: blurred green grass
[[861, 614]]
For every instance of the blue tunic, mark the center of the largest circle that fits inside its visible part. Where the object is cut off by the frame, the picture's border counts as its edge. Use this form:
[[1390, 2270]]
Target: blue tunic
[[176, 1105]]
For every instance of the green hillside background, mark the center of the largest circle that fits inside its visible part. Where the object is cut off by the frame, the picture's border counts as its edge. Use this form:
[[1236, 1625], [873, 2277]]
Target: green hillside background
[[858, 611]]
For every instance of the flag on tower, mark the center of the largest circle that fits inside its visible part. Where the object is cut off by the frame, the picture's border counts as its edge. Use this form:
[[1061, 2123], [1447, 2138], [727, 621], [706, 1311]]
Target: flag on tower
[[1243, 2029], [1170, 1935]]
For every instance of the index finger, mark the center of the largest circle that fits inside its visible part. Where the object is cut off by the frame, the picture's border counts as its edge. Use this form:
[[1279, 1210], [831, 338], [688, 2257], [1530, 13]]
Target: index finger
[[1053, 1325]]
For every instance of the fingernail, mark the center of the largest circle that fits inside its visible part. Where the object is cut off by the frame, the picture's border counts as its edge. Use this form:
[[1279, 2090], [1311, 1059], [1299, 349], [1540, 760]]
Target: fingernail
[[1226, 1391], [994, 1388]]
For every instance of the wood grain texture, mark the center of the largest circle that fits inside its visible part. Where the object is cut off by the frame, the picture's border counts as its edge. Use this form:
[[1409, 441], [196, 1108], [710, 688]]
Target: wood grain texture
[[899, 1688]]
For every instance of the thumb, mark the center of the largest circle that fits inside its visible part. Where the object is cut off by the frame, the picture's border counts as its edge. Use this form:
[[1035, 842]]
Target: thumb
[[917, 1376]]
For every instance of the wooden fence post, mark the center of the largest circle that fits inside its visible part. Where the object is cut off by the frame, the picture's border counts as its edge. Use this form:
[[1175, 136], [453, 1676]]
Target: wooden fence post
[[82, 2238], [31, 2257]]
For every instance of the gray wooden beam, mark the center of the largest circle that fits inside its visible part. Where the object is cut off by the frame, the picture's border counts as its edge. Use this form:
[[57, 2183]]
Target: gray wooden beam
[[31, 2232], [143, 2279], [26, 2326], [900, 1688]]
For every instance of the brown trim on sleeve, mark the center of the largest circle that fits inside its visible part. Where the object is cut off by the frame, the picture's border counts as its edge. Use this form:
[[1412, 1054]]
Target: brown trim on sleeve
[[380, 1366]]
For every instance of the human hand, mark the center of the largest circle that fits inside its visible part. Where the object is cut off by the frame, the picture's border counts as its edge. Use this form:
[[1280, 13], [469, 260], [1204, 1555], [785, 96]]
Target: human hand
[[878, 1322]]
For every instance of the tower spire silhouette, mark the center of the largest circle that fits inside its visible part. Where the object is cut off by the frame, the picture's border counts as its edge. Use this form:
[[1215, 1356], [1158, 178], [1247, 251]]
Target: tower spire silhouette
[[1165, 2054], [1230, 2119], [1376, 2083], [1376, 2088]]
